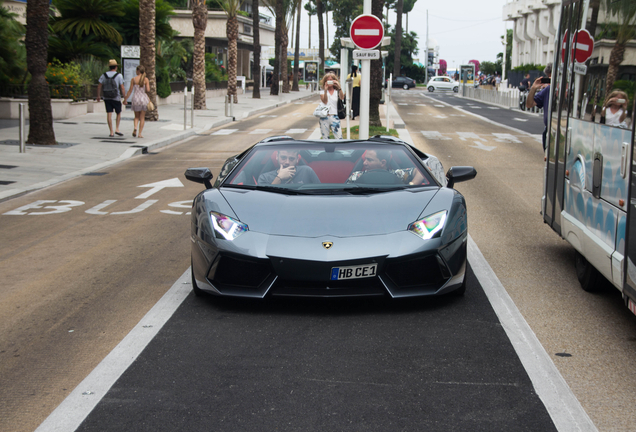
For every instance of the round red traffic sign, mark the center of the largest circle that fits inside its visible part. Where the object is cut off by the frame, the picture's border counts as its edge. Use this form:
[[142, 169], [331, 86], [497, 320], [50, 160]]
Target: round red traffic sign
[[366, 31], [583, 46]]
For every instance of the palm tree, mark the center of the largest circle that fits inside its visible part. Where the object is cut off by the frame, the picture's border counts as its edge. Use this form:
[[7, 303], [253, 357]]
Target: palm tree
[[321, 37], [398, 39], [231, 8], [624, 11], [200, 22], [375, 77], [297, 49], [12, 53], [147, 49], [37, 43], [256, 66], [278, 37], [84, 17], [311, 11]]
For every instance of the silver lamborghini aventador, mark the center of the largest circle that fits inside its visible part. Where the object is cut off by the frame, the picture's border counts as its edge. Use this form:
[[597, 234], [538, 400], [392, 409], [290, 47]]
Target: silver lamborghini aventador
[[329, 218]]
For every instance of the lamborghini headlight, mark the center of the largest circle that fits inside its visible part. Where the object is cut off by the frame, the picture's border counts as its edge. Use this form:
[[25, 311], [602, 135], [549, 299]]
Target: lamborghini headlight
[[428, 227], [226, 227]]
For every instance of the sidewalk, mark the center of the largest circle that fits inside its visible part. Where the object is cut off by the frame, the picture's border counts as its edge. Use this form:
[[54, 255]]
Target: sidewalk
[[84, 144]]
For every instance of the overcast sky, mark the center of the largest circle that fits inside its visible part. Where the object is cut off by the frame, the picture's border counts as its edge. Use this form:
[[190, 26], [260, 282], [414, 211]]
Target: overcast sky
[[464, 29]]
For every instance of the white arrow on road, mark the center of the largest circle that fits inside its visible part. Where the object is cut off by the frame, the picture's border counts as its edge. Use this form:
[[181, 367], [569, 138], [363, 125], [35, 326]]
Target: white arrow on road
[[156, 187], [480, 146]]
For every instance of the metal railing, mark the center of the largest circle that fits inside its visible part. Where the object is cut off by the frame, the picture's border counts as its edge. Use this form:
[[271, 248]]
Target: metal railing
[[508, 98]]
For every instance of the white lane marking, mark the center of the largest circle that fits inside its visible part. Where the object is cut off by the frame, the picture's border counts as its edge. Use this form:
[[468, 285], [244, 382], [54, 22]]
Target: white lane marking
[[97, 210], [138, 209], [60, 208], [521, 120], [458, 115], [420, 105], [503, 137], [315, 134], [76, 407], [564, 408], [157, 186], [479, 145], [493, 108], [434, 135], [260, 131], [267, 115], [439, 106], [295, 131], [441, 116], [468, 136], [402, 103], [414, 114], [224, 132]]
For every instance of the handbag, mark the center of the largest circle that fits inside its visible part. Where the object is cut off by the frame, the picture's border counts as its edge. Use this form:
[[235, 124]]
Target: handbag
[[342, 112], [321, 111], [151, 106]]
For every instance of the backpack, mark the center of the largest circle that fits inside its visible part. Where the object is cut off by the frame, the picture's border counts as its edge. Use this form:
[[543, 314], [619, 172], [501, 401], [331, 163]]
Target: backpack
[[110, 87]]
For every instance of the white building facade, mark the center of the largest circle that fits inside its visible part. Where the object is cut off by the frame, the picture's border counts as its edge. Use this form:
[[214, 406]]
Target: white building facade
[[535, 24]]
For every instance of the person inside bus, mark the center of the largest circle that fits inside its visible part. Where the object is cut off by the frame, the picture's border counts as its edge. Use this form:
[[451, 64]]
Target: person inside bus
[[615, 109], [542, 98]]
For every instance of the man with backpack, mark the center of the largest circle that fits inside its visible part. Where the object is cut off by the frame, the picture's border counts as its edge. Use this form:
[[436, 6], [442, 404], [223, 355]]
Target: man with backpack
[[113, 84]]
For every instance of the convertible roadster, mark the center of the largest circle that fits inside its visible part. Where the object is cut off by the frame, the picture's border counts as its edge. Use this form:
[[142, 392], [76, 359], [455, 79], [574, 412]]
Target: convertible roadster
[[329, 218]]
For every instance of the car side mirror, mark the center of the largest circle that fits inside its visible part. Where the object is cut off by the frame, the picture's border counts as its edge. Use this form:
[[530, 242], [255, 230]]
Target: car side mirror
[[200, 175], [459, 174]]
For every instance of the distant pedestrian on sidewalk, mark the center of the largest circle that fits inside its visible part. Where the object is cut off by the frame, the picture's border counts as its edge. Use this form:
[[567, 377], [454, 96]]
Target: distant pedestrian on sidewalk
[[113, 84], [140, 85], [329, 96]]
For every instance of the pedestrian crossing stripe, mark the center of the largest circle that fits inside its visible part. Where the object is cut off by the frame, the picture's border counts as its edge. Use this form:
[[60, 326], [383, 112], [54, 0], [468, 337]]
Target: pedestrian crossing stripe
[[225, 131], [295, 131], [260, 131]]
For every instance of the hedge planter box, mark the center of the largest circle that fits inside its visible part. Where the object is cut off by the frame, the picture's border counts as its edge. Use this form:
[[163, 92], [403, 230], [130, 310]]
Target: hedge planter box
[[61, 108]]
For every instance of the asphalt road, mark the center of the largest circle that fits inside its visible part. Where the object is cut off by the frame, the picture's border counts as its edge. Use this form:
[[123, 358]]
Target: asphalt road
[[436, 364]]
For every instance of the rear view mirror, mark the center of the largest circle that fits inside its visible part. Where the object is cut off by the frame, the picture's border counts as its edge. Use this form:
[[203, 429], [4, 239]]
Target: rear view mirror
[[459, 174], [200, 175]]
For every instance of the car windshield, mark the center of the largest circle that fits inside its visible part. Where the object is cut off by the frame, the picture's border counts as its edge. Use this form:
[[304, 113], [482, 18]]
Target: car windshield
[[329, 168]]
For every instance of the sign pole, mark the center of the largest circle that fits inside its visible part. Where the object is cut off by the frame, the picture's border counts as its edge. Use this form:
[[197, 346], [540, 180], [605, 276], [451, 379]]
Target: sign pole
[[365, 86]]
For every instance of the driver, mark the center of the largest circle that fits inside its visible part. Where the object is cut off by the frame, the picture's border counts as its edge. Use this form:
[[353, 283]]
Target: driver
[[288, 171], [378, 160]]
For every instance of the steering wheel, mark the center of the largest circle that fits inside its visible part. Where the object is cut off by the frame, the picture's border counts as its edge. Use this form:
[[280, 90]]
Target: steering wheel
[[379, 177]]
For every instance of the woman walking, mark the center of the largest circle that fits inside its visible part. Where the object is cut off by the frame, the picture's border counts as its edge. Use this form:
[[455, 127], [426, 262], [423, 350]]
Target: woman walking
[[332, 91], [355, 97], [140, 99]]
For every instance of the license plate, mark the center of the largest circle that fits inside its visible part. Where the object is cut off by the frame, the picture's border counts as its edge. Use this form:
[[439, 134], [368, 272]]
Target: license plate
[[354, 272]]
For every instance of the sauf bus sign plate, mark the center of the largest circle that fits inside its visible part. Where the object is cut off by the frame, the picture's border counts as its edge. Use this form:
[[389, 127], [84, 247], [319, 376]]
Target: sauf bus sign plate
[[366, 54]]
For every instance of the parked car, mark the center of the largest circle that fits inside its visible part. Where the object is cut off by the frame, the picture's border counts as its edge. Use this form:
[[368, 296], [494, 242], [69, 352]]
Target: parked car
[[329, 218], [442, 83], [402, 82]]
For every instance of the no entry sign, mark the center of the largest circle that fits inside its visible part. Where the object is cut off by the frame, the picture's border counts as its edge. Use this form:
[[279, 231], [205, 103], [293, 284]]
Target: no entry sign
[[367, 31], [582, 46]]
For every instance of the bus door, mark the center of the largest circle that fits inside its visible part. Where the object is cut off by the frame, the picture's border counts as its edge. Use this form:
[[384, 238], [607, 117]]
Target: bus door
[[557, 131]]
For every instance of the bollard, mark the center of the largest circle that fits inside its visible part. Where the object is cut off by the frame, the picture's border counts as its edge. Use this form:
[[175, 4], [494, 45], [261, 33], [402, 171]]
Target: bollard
[[226, 107], [185, 110], [231, 107], [21, 129], [192, 110]]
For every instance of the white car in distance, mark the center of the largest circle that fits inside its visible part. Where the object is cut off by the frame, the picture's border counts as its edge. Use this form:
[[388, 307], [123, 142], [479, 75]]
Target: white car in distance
[[442, 83]]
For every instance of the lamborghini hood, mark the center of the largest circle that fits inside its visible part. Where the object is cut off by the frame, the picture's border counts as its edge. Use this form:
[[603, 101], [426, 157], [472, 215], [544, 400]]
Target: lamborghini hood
[[334, 215]]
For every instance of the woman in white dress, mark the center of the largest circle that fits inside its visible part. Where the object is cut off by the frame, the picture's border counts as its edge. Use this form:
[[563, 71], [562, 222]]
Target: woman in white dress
[[329, 95], [615, 108], [140, 99]]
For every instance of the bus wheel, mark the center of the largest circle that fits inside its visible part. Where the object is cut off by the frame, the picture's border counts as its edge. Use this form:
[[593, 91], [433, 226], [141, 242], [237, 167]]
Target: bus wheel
[[588, 276]]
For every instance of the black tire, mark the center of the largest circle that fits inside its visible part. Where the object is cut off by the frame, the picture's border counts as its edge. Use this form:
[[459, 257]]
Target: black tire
[[456, 89], [589, 278], [197, 291], [522, 104], [431, 89], [405, 86]]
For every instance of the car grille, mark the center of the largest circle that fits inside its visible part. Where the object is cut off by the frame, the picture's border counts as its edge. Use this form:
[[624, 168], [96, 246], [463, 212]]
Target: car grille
[[345, 288], [418, 272], [229, 271]]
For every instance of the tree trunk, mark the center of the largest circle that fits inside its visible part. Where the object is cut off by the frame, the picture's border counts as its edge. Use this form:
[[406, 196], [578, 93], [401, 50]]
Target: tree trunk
[[591, 27], [147, 51], [232, 53], [375, 75], [200, 22], [256, 67], [277, 41], [398, 40], [321, 39], [309, 41], [297, 49], [37, 44], [616, 58], [284, 71]]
